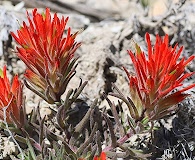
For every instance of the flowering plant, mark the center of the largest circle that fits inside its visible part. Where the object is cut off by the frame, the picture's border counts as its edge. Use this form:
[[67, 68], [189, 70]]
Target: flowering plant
[[10, 97], [50, 65], [48, 55], [153, 88], [76, 130], [101, 157]]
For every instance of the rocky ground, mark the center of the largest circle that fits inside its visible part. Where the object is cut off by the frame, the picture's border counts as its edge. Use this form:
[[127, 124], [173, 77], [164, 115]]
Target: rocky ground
[[108, 29]]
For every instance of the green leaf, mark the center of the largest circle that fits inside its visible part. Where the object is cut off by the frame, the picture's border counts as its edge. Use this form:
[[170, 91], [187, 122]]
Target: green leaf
[[137, 48], [1, 73], [145, 121], [32, 154]]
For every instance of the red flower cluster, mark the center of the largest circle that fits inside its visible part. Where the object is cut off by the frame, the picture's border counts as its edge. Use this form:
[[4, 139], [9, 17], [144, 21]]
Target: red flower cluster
[[47, 54], [101, 157], [156, 77], [10, 97]]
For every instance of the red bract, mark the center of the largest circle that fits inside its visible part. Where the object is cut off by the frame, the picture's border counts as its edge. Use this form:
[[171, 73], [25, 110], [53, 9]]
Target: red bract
[[48, 55], [157, 76], [10, 97], [101, 157]]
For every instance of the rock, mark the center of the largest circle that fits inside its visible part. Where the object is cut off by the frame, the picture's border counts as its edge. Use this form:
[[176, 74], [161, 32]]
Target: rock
[[100, 59], [7, 147]]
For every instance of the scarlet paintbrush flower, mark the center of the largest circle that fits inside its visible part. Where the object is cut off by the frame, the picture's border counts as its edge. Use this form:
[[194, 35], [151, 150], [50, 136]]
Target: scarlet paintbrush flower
[[157, 76], [48, 55], [101, 157], [10, 97]]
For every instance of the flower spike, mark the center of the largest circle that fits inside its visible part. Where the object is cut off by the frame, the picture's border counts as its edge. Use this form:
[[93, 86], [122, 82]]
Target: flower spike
[[101, 157], [10, 97], [157, 76], [48, 55]]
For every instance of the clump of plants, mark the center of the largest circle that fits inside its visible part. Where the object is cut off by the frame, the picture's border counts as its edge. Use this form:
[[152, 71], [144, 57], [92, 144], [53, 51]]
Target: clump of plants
[[156, 87]]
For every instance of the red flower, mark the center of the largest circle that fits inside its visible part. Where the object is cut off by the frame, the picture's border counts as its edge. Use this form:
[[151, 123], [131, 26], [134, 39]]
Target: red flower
[[10, 97], [101, 157], [156, 77], [47, 54]]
